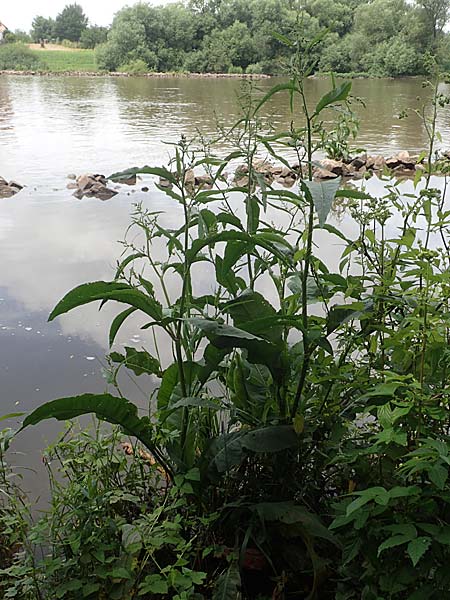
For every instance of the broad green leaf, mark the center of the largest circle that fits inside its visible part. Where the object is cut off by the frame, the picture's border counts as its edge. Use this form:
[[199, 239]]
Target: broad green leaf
[[263, 240], [443, 537], [323, 194], [337, 94], [196, 403], [233, 252], [365, 496], [169, 381], [340, 314], [223, 336], [120, 573], [250, 306], [72, 585], [392, 542], [107, 290], [139, 362], [438, 474], [355, 194], [90, 588], [228, 585], [417, 548], [154, 584], [291, 514], [117, 411], [404, 492], [227, 277], [227, 451], [270, 439]]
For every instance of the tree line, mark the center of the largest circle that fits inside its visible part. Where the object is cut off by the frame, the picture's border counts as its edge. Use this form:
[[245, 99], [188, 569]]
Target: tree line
[[377, 37]]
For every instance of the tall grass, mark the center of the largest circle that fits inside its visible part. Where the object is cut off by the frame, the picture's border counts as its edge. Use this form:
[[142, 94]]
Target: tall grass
[[67, 60]]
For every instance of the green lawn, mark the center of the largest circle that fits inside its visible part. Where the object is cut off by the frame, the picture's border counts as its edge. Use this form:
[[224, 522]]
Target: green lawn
[[67, 60]]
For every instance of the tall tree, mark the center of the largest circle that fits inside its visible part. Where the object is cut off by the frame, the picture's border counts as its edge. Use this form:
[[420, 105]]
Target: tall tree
[[42, 28], [436, 13], [70, 23]]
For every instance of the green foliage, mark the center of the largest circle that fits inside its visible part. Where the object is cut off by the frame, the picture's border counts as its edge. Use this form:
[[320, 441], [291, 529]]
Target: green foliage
[[379, 38], [93, 36], [67, 60], [17, 37], [111, 530], [70, 23], [42, 29], [18, 57], [135, 67], [301, 433]]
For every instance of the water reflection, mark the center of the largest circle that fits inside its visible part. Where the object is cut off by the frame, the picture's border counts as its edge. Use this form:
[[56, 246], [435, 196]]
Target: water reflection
[[6, 110]]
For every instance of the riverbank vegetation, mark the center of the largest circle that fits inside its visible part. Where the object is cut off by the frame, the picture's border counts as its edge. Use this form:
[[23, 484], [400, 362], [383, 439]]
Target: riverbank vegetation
[[378, 38], [296, 438]]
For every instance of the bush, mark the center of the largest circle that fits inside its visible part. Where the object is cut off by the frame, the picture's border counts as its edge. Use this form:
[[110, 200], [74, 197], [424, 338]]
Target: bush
[[135, 67], [70, 44], [18, 57], [254, 69], [233, 70], [93, 37], [195, 62]]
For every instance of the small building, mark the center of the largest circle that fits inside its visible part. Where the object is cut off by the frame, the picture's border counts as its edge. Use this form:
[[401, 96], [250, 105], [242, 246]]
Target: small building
[[3, 30]]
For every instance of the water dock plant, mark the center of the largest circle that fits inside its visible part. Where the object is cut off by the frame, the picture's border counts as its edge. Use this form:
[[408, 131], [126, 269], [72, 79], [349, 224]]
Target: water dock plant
[[300, 423]]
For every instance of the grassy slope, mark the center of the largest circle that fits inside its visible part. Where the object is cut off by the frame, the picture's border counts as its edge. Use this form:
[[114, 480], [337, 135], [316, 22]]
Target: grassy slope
[[67, 60]]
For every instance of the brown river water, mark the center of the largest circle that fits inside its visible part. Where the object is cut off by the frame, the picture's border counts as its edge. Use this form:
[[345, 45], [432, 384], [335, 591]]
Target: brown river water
[[51, 242]]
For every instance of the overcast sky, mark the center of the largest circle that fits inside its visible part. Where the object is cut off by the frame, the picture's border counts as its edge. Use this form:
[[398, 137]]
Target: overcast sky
[[18, 14]]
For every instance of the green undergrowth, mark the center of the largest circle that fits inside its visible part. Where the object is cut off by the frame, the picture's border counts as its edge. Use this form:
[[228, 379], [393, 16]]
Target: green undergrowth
[[67, 60], [297, 444]]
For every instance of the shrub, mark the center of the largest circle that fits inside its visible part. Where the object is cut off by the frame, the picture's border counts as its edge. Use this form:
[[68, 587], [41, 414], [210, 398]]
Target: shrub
[[233, 70], [18, 57], [135, 67], [254, 69], [70, 44]]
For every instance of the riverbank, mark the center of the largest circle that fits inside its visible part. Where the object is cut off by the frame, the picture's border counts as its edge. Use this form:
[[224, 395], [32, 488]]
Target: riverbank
[[143, 75]]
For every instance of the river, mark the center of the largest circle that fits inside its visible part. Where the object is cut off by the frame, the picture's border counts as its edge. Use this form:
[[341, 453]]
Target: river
[[51, 242]]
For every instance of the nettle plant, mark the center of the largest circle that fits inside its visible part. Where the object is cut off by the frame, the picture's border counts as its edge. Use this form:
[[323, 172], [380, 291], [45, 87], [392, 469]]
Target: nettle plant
[[295, 394]]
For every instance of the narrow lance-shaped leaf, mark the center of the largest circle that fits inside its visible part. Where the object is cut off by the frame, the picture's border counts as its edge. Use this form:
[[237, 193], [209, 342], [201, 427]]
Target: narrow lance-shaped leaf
[[289, 86], [337, 94], [129, 259], [118, 322]]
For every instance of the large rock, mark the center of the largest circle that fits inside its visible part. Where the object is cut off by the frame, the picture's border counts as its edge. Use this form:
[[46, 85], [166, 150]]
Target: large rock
[[402, 160], [334, 166], [7, 190], [92, 186], [203, 182], [375, 163], [324, 174], [359, 161]]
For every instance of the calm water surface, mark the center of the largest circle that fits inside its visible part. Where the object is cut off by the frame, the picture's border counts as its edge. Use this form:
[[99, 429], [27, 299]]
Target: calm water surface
[[50, 241]]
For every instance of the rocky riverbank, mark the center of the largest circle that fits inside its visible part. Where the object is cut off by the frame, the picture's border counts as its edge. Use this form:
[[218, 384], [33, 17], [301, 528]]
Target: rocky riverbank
[[144, 75]]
